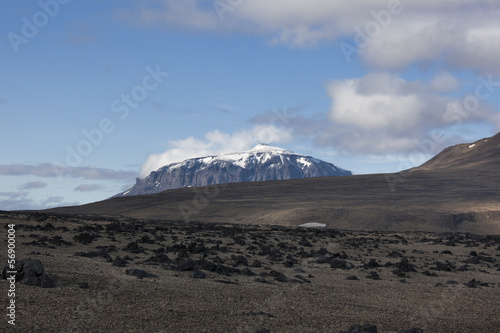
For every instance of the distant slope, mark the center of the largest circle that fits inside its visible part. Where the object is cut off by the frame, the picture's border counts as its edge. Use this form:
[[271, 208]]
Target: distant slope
[[261, 163], [484, 154], [458, 190]]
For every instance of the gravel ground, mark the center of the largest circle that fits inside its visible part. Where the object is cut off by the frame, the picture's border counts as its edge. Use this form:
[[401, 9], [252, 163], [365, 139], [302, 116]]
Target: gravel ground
[[277, 278]]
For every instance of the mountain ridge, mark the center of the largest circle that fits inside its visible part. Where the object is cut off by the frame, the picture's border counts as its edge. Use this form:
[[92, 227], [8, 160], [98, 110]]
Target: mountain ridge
[[261, 163]]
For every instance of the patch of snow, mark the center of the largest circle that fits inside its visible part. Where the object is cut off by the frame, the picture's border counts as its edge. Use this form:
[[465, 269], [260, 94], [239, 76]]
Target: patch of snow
[[304, 162], [263, 148], [208, 160], [313, 225], [472, 145], [127, 192], [177, 165], [241, 163]]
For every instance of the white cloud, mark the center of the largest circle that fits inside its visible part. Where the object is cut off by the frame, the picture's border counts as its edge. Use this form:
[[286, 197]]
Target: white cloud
[[464, 33], [382, 113], [215, 142]]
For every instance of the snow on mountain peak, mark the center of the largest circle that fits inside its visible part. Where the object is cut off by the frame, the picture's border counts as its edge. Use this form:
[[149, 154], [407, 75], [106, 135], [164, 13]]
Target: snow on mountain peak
[[265, 148]]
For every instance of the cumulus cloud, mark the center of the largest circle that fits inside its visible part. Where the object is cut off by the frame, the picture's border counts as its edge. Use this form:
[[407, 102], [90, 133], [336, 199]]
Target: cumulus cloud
[[382, 113], [88, 188], [33, 185], [215, 142], [51, 170], [464, 33]]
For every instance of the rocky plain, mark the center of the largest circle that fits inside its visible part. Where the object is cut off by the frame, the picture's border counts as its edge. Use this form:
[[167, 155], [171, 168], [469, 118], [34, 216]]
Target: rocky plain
[[119, 274]]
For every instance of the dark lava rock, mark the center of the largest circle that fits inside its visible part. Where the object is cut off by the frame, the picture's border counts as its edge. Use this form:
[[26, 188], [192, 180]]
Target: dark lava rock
[[119, 262], [30, 272], [403, 267], [371, 264], [161, 258], [259, 313], [477, 259], [302, 278], [473, 260], [366, 328], [373, 275], [305, 242], [139, 273], [240, 260], [323, 260], [197, 275], [146, 239], [427, 273], [186, 265], [247, 272], [472, 283], [413, 330], [263, 330], [446, 266], [102, 253], [352, 278], [134, 248], [261, 280], [342, 255], [59, 241], [256, 264], [83, 285], [85, 238], [279, 276], [226, 282], [337, 263]]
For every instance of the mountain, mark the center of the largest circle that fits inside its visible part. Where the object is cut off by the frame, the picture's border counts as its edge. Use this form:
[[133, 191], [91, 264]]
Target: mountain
[[484, 153], [260, 163], [458, 190]]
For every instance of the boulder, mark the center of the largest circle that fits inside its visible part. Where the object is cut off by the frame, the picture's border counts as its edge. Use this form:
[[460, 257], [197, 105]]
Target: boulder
[[30, 272], [139, 273], [197, 275]]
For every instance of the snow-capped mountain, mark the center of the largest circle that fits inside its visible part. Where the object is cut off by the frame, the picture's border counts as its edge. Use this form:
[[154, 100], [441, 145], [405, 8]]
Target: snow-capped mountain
[[260, 163]]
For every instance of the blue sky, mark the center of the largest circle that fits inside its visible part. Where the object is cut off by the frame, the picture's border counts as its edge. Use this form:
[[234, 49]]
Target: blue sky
[[371, 86]]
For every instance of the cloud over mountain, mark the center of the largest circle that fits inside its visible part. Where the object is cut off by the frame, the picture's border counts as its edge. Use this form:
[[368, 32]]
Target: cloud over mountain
[[214, 143]]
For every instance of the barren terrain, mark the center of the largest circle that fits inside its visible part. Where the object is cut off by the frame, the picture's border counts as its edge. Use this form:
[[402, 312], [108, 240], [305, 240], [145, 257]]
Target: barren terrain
[[243, 278]]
